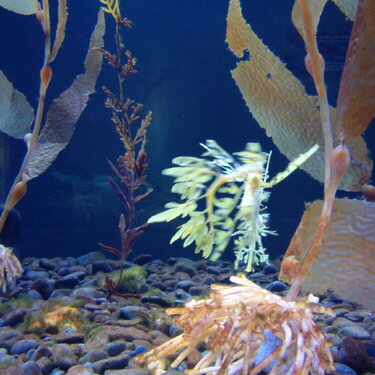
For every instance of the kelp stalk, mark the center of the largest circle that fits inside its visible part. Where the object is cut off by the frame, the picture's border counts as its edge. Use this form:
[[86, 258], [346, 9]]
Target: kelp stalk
[[336, 160], [45, 142], [19, 187]]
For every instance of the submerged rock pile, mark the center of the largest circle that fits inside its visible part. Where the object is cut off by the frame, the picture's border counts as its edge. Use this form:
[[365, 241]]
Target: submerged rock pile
[[58, 320]]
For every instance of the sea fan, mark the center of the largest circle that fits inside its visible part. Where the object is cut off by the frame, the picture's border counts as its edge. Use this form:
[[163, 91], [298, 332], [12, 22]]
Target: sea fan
[[246, 329], [10, 268]]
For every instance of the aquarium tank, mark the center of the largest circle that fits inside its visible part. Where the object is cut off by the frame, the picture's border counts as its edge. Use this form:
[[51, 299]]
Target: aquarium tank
[[187, 186]]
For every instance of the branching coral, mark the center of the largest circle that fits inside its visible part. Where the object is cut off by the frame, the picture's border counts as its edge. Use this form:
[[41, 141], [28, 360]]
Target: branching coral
[[246, 330], [10, 268]]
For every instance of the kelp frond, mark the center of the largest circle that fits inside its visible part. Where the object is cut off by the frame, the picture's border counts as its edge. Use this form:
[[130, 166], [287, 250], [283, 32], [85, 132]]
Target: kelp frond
[[246, 329]]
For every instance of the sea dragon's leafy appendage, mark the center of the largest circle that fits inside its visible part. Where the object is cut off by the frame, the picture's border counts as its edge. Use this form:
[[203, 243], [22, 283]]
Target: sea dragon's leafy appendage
[[234, 196], [112, 7]]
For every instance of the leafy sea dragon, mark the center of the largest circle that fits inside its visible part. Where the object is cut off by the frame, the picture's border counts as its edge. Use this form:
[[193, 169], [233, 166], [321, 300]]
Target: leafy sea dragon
[[234, 196]]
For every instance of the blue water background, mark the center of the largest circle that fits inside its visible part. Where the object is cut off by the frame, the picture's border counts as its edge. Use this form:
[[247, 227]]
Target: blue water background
[[184, 79]]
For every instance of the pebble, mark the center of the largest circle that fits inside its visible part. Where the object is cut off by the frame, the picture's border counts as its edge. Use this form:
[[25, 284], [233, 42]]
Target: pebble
[[101, 266], [270, 269], [341, 322], [185, 267], [69, 337], [94, 356], [156, 300], [129, 371], [80, 370], [213, 270], [67, 282], [48, 264], [354, 331], [23, 346], [181, 294], [115, 347], [31, 368], [111, 363], [14, 317], [45, 364], [342, 369], [41, 352], [12, 370], [143, 259], [34, 275], [126, 333], [276, 286], [63, 357], [90, 258], [125, 313], [117, 329], [185, 284]]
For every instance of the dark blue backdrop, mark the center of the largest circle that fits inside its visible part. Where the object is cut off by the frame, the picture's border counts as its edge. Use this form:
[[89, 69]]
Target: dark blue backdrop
[[184, 78]]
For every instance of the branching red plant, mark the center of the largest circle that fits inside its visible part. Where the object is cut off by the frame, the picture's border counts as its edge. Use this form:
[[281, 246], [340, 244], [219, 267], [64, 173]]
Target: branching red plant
[[130, 167]]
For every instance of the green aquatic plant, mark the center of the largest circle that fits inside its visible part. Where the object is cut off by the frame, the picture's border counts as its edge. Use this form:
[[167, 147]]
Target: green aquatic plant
[[22, 301], [56, 315], [127, 281], [234, 201]]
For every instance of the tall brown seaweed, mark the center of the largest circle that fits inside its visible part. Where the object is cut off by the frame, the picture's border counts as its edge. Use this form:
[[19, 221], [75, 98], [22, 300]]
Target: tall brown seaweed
[[44, 142], [45, 139], [355, 108], [237, 322]]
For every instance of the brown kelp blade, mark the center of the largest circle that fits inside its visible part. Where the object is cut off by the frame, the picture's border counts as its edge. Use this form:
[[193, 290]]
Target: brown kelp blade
[[16, 114], [65, 111], [60, 30], [279, 103], [346, 261], [356, 101], [348, 7], [305, 17], [315, 7], [25, 7]]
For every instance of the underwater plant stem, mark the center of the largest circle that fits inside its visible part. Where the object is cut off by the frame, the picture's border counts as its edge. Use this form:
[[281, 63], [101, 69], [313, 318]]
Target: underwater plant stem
[[18, 188], [328, 140], [4, 215], [45, 76], [313, 250], [119, 50], [338, 164], [315, 65]]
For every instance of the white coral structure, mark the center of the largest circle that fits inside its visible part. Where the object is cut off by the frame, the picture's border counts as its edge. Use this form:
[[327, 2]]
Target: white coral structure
[[10, 268], [246, 330]]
